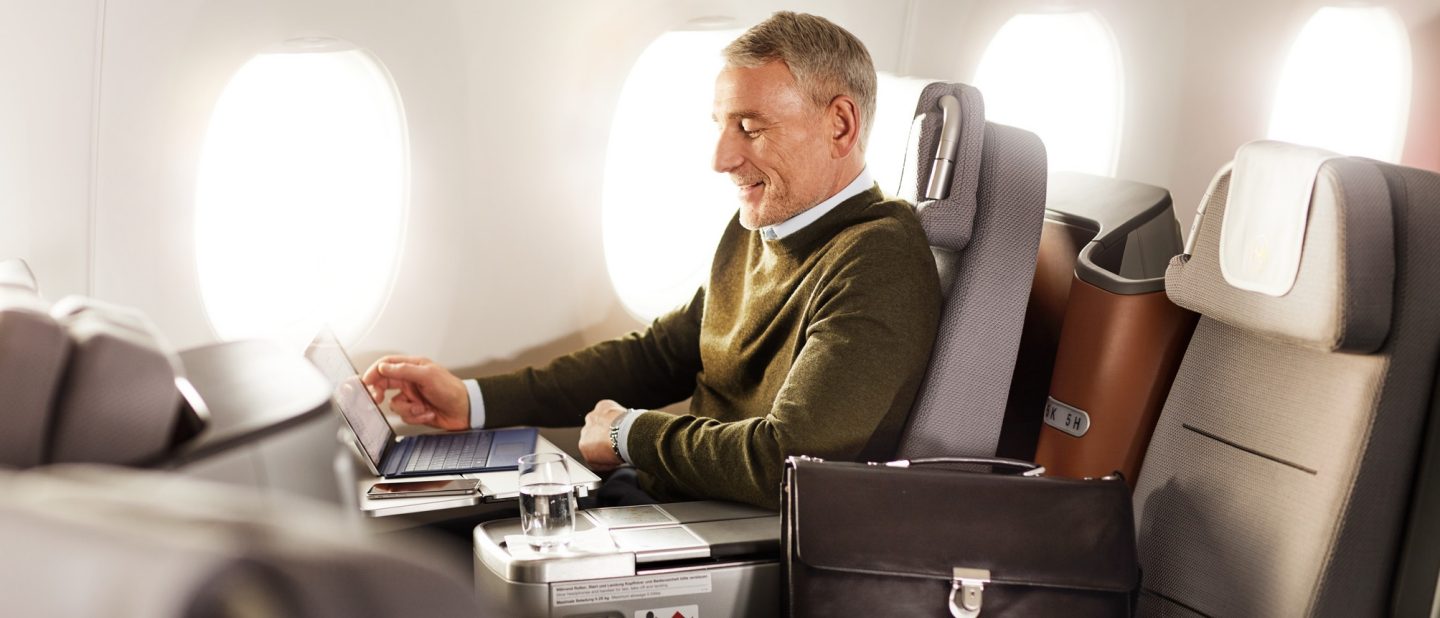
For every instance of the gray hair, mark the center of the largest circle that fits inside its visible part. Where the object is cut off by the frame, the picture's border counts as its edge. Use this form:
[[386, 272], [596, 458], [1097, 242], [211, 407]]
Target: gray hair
[[826, 60]]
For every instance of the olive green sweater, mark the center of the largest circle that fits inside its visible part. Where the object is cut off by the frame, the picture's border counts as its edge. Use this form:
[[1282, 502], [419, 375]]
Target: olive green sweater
[[813, 344]]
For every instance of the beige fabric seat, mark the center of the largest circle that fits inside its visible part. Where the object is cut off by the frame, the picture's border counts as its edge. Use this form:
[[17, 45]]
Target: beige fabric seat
[[1278, 479]]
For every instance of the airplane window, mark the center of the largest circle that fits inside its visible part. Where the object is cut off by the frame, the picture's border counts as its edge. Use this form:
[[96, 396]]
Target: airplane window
[[301, 194], [1346, 85], [1059, 75], [663, 205]]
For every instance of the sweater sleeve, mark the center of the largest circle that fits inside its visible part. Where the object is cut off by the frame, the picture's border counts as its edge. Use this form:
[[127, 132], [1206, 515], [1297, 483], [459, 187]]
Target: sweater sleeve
[[647, 369], [864, 352]]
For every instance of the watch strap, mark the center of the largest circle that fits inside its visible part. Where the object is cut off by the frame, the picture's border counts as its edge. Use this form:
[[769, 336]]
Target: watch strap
[[615, 433]]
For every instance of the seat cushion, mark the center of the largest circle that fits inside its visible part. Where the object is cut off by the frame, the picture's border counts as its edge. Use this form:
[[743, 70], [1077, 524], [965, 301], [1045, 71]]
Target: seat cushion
[[33, 349], [119, 403]]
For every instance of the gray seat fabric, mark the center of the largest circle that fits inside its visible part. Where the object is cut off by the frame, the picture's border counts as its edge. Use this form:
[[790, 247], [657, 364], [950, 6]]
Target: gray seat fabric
[[90, 541], [985, 236], [1277, 480], [33, 350], [118, 403], [83, 381]]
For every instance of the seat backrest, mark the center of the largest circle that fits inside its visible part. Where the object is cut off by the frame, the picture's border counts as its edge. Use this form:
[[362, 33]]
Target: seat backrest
[[33, 350], [985, 233], [92, 541], [1278, 476]]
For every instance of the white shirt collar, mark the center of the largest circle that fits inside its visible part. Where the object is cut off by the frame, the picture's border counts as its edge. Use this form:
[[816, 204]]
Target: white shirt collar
[[862, 183]]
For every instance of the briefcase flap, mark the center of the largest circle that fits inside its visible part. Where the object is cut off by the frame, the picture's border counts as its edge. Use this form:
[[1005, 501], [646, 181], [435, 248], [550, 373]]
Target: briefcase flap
[[927, 521]]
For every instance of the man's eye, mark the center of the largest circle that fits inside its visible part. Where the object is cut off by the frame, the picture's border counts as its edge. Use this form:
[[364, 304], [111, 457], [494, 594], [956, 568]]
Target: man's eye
[[750, 131]]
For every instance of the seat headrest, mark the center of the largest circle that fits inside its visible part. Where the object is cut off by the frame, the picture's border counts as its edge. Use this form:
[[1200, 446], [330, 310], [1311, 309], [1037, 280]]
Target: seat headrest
[[948, 222], [1296, 243], [33, 352], [1264, 224], [119, 402]]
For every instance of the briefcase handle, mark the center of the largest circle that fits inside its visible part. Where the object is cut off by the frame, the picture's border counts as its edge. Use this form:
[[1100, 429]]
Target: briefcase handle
[[1026, 468]]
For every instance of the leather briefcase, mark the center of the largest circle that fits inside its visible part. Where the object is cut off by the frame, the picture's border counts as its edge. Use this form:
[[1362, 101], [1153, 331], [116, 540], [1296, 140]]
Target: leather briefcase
[[918, 538]]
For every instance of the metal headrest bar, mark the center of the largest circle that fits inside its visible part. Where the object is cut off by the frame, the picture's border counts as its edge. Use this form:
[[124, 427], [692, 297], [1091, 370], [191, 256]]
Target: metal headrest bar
[[942, 171]]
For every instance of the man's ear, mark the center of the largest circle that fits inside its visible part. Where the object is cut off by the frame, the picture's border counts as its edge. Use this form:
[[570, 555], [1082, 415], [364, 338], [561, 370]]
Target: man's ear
[[843, 119]]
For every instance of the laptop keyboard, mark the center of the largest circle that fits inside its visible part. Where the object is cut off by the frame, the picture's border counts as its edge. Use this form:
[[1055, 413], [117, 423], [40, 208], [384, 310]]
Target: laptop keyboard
[[449, 452]]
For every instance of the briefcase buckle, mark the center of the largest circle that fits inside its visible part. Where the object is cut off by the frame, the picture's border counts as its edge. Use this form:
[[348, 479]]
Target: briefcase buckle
[[967, 592]]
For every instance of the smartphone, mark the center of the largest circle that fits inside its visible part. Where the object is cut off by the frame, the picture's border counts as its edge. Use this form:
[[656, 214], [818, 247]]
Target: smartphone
[[423, 489]]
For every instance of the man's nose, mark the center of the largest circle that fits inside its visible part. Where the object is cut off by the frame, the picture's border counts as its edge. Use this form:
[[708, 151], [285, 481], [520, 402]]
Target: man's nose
[[727, 155]]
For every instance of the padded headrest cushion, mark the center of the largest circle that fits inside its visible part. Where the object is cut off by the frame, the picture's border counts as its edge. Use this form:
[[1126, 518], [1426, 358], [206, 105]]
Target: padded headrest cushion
[[948, 222], [119, 403], [33, 349], [1264, 224], [1342, 293]]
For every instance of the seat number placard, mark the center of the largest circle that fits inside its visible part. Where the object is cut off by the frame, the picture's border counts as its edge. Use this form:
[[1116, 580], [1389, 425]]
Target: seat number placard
[[1068, 419]]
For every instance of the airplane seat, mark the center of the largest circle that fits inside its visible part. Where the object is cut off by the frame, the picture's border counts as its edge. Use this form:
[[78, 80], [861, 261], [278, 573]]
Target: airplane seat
[[91, 382], [1279, 474], [118, 402], [33, 350], [90, 540], [979, 189]]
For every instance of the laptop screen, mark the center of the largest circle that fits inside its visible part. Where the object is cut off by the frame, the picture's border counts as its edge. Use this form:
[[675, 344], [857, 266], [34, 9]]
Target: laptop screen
[[371, 429]]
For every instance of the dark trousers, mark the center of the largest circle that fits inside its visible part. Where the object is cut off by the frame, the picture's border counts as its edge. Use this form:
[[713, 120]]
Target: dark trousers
[[621, 488]]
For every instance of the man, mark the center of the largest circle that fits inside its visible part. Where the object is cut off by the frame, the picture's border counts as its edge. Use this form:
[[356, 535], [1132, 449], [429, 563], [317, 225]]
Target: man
[[810, 337]]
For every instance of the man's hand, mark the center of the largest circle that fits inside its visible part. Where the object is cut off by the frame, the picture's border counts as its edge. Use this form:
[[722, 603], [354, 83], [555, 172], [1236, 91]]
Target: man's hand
[[429, 395], [595, 437]]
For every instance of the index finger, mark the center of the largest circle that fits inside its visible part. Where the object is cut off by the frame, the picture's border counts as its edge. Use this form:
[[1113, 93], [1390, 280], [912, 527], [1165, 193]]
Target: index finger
[[372, 375]]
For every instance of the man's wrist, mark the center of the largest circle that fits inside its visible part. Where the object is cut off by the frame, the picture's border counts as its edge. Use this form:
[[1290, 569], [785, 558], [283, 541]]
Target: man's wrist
[[615, 434], [625, 422]]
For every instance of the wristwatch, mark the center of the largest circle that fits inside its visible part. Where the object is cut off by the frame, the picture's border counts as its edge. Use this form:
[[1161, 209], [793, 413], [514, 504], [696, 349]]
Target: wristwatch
[[615, 433]]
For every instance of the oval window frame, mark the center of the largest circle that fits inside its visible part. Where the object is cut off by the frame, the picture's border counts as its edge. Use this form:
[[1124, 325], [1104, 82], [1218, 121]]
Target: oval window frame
[[217, 281]]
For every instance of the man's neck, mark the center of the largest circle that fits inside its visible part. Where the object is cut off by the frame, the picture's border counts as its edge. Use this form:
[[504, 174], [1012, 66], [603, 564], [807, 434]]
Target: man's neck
[[846, 175], [857, 184]]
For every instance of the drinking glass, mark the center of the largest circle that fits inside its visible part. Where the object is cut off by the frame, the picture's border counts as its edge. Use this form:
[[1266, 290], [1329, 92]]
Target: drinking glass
[[547, 504]]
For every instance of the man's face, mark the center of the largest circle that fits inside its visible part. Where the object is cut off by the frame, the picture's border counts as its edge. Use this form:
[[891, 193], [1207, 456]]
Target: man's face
[[774, 143]]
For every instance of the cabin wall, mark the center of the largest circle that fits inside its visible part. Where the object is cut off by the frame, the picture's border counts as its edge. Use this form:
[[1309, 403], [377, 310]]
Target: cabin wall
[[1200, 76], [46, 138]]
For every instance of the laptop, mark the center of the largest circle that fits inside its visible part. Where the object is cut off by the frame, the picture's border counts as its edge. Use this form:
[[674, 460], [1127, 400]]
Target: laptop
[[456, 452]]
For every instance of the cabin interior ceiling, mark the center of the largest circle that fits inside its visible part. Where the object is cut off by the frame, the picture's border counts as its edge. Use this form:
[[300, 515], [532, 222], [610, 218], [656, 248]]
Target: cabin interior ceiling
[[508, 107]]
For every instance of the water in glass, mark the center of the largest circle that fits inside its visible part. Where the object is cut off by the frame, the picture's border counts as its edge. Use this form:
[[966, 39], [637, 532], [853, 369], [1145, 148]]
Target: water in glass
[[547, 504]]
